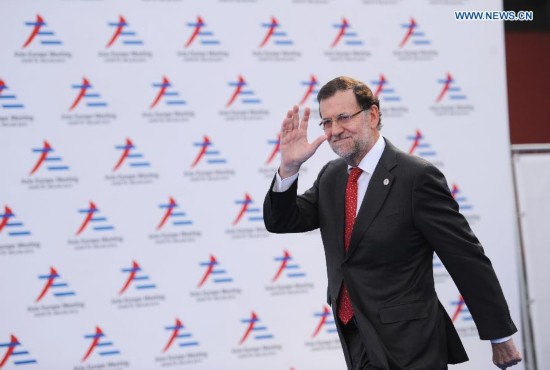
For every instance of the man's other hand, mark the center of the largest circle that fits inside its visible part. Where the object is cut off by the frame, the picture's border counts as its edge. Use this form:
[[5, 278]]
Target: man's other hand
[[505, 354]]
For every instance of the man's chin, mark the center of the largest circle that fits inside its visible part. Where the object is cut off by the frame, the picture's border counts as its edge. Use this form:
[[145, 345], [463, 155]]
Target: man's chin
[[341, 152]]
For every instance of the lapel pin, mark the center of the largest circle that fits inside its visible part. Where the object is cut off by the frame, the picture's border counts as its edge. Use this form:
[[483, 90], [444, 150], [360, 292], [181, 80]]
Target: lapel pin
[[386, 181]]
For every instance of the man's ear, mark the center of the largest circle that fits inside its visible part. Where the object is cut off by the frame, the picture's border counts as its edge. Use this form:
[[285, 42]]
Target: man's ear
[[374, 116]]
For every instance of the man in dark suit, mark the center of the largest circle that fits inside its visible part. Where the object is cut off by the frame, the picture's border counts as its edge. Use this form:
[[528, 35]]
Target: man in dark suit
[[382, 214]]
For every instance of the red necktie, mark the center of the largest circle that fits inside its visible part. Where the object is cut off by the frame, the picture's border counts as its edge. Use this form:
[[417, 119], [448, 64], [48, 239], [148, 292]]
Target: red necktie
[[345, 310]]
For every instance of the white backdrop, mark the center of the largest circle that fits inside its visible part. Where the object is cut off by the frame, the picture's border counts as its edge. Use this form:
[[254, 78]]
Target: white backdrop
[[532, 182], [137, 143]]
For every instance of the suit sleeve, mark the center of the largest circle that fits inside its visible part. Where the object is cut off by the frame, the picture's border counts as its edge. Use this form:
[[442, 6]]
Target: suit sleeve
[[436, 215], [287, 212]]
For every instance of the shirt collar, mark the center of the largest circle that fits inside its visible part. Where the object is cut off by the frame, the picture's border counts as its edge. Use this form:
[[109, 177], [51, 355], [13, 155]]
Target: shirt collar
[[370, 160]]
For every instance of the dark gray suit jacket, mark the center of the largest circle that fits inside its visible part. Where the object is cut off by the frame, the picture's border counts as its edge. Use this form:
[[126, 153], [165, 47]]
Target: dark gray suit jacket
[[388, 267]]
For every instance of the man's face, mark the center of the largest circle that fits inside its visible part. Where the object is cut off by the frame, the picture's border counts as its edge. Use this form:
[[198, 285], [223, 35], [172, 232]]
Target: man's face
[[355, 138]]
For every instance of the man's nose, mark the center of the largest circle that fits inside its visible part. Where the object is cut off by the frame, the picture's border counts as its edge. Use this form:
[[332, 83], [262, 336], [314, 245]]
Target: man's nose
[[336, 129]]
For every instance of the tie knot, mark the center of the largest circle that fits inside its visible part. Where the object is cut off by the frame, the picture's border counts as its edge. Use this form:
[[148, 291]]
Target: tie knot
[[354, 174]]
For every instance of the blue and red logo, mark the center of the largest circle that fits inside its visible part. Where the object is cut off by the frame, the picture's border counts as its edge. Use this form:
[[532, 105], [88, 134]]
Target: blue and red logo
[[41, 33], [242, 92], [449, 90], [413, 35], [11, 225], [136, 277], [383, 91], [123, 33], [55, 285], [419, 146], [461, 311], [326, 322], [94, 220], [311, 90], [345, 35], [200, 33], [274, 34], [165, 93], [172, 213], [130, 156], [100, 345], [212, 156], [253, 214], [86, 94], [8, 100], [213, 272], [460, 199], [52, 162], [14, 352], [286, 265], [276, 144], [254, 330], [179, 336]]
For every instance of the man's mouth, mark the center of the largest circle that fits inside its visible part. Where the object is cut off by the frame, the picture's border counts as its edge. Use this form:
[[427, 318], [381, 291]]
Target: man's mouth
[[334, 140]]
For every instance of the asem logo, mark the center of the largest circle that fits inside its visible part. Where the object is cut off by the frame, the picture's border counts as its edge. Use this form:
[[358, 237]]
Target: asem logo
[[165, 92], [461, 310], [92, 99], [103, 347], [136, 275], [274, 33], [241, 91], [99, 222], [41, 33], [8, 100], [326, 322], [449, 89], [345, 35], [176, 334], [311, 89], [419, 146], [383, 91], [413, 34], [460, 199], [276, 148], [124, 33], [55, 285], [258, 332], [18, 356], [130, 156], [13, 228], [201, 34], [206, 151], [53, 162], [171, 213], [286, 265], [254, 214], [218, 275]]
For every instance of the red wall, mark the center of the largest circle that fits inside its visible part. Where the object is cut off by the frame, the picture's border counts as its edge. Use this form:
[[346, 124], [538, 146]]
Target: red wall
[[528, 73]]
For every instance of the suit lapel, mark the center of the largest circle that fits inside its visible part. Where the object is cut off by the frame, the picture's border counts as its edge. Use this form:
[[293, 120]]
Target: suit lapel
[[379, 187]]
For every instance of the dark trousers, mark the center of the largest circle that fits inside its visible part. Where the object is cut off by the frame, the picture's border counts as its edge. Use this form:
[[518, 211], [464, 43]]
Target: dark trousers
[[356, 348]]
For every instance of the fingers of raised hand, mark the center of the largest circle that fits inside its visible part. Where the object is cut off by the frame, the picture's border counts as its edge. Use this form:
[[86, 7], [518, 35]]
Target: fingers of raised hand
[[305, 119], [292, 120], [295, 117], [286, 126]]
